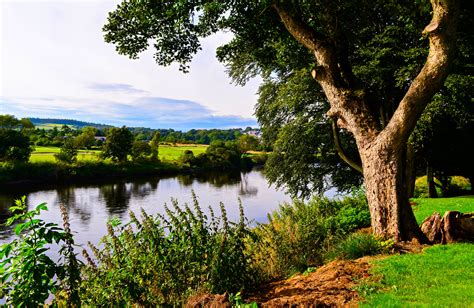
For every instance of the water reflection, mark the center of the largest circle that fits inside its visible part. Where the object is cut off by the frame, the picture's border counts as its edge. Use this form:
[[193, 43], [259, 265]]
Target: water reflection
[[91, 205]]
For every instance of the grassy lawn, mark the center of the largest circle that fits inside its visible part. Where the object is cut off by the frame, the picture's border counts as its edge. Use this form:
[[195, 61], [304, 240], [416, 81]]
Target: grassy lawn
[[166, 152], [425, 207], [441, 276], [46, 154]]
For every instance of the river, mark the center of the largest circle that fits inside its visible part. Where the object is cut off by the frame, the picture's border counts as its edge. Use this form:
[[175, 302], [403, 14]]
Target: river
[[91, 205]]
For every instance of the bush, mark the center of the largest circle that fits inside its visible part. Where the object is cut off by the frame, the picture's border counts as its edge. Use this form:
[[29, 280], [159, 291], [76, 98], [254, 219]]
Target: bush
[[356, 246], [299, 234], [68, 152], [162, 260], [140, 150]]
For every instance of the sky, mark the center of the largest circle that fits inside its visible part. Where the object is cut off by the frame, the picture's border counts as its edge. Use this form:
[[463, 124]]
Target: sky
[[54, 63]]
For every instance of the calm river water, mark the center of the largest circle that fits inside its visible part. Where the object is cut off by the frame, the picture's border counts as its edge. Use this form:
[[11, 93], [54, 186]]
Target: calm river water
[[91, 205]]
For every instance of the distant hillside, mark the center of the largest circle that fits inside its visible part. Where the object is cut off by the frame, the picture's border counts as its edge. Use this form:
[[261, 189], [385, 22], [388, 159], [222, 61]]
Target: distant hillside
[[59, 122]]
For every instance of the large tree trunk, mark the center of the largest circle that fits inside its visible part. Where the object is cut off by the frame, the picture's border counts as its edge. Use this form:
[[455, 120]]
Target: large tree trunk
[[387, 193]]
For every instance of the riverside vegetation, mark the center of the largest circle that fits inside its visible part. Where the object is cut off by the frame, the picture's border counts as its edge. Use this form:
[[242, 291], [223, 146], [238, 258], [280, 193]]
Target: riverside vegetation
[[159, 260], [165, 259]]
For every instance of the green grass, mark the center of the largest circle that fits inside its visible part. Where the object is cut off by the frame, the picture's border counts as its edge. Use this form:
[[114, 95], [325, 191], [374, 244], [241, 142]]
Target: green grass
[[441, 276], [425, 207], [166, 152], [46, 154], [48, 126]]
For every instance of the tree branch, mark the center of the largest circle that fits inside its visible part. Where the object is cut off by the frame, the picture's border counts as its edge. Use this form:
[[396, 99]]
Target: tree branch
[[340, 150], [348, 104], [441, 32], [300, 30]]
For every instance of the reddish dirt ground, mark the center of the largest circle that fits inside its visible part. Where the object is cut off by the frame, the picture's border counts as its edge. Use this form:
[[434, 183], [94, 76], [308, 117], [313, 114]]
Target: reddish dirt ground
[[329, 286]]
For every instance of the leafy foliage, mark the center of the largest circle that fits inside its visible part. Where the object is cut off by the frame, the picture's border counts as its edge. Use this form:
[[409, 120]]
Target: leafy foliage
[[14, 143], [28, 274], [358, 245], [68, 152], [162, 260], [298, 235], [140, 150], [118, 144]]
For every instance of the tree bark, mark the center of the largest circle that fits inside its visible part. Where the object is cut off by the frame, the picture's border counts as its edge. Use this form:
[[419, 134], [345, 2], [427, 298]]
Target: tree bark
[[410, 170], [432, 193], [387, 193]]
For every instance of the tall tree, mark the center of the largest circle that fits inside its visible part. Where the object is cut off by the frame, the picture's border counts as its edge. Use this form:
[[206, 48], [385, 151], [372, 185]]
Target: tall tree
[[271, 36], [118, 144]]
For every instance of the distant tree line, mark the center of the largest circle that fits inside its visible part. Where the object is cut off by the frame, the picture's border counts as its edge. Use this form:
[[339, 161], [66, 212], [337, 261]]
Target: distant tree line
[[54, 136], [121, 144]]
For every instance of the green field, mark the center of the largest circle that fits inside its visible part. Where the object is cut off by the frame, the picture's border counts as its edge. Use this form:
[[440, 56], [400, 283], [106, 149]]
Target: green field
[[46, 154], [48, 126], [166, 152], [440, 276]]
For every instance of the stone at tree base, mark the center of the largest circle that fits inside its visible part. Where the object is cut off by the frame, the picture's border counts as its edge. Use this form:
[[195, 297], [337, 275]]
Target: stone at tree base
[[431, 227], [453, 227]]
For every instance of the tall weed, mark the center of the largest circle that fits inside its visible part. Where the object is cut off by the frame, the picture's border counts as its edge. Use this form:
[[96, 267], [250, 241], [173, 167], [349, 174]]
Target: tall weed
[[160, 260], [299, 234]]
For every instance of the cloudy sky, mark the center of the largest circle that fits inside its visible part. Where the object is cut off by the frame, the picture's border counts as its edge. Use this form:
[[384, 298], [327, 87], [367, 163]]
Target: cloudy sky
[[55, 64]]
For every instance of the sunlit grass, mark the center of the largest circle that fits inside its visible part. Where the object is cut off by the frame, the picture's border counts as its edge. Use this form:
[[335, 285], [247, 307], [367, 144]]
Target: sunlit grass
[[426, 206], [166, 152], [441, 276]]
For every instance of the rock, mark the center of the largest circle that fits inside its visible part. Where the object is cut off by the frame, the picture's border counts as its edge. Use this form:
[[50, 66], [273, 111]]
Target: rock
[[453, 227]]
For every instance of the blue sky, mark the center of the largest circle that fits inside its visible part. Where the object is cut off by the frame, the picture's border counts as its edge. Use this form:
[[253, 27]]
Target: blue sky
[[54, 63]]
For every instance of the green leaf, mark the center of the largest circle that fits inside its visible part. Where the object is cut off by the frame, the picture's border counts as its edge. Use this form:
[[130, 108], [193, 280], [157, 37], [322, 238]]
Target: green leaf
[[42, 207]]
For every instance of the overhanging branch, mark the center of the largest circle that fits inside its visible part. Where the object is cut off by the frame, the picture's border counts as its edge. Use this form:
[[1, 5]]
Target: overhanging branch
[[340, 150]]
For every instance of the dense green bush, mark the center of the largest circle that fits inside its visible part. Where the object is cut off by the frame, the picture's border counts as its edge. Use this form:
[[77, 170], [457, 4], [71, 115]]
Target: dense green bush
[[299, 234], [162, 260]]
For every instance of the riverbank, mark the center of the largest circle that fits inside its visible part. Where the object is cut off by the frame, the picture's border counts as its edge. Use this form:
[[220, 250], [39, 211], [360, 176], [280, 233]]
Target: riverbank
[[34, 173]]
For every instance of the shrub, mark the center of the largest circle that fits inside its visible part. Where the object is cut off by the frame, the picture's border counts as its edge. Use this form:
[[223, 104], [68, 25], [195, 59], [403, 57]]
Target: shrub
[[163, 259], [140, 150], [14, 146], [299, 234], [68, 152], [356, 246], [457, 185]]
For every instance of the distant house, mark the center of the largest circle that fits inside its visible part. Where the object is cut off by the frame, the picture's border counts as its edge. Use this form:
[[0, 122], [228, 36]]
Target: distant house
[[100, 138], [256, 133]]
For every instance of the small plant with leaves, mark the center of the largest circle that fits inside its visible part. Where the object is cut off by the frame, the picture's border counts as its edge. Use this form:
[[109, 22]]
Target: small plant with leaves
[[28, 275]]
